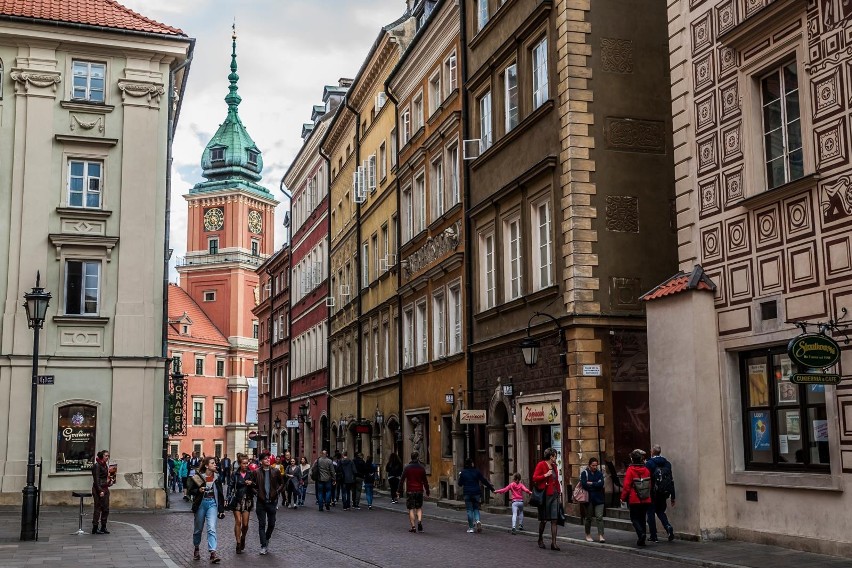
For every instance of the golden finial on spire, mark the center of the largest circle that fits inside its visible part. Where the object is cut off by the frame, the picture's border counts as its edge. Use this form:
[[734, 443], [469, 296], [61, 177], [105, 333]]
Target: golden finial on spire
[[234, 29]]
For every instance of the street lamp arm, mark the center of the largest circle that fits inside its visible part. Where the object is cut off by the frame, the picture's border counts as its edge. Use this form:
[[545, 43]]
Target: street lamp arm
[[553, 319]]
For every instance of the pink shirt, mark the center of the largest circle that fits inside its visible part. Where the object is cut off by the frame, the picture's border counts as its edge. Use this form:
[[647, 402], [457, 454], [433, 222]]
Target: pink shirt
[[516, 490]]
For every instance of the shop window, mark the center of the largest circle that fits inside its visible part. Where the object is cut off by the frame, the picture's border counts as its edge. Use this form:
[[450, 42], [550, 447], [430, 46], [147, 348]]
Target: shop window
[[77, 426], [785, 424]]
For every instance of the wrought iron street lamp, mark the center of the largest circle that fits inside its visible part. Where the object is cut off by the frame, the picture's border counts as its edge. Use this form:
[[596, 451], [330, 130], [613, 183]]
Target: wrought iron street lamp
[[276, 423], [530, 347], [37, 301]]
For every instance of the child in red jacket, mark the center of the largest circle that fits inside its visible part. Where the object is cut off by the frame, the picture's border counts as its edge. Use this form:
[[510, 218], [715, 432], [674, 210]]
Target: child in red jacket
[[637, 492]]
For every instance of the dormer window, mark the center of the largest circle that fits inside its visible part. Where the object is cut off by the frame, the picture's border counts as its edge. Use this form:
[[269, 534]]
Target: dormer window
[[217, 154], [252, 157]]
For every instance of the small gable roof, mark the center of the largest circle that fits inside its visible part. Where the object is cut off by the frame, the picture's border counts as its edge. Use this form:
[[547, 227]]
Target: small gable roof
[[183, 307], [101, 13], [681, 282]]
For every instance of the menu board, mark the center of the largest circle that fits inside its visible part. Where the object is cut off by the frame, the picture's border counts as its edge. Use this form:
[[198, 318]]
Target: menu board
[[76, 437]]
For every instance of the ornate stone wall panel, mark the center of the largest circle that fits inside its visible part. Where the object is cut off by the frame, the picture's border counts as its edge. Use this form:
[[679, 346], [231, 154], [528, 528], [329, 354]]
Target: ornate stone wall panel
[[717, 275], [770, 274], [735, 320], [702, 32], [835, 201], [635, 135], [80, 337], [710, 197], [834, 13], [624, 294], [728, 60], [705, 113], [732, 143], [712, 251], [616, 55], [622, 213], [726, 16], [830, 143], [767, 227], [732, 183], [708, 153], [737, 237], [802, 267], [837, 258], [729, 97], [704, 74], [740, 283], [827, 94], [749, 8], [798, 217]]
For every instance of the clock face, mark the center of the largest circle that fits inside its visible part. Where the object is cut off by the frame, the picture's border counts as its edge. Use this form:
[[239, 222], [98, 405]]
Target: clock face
[[255, 222], [214, 219]]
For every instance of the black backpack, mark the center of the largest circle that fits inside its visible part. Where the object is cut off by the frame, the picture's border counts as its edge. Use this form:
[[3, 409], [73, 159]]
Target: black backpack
[[663, 482]]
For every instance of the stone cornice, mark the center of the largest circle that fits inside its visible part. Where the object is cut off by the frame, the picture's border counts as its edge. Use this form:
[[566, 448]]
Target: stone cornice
[[27, 79], [305, 161], [59, 240], [372, 75], [339, 128], [132, 92]]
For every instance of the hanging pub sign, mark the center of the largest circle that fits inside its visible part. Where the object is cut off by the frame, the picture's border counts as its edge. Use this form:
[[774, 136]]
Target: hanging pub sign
[[470, 416], [177, 408], [814, 351]]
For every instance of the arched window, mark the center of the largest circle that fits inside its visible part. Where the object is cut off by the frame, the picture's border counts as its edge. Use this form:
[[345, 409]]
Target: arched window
[[77, 426]]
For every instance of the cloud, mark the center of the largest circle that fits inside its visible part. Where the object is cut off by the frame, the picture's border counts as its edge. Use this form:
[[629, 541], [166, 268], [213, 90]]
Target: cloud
[[286, 52]]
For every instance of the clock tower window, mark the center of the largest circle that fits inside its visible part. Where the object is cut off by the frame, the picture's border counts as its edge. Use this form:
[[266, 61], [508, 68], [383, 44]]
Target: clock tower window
[[213, 245], [255, 247]]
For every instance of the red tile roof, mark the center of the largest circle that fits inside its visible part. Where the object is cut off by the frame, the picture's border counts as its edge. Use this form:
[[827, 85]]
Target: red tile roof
[[681, 282], [103, 13], [202, 329]]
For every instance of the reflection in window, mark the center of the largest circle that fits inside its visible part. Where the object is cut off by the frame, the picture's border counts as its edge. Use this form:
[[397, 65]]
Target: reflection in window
[[782, 129], [76, 437]]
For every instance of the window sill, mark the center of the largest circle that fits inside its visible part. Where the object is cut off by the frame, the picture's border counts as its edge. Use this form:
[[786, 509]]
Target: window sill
[[86, 106], [510, 136], [94, 321], [69, 139], [536, 296], [756, 26], [780, 192], [445, 102], [86, 472], [83, 212], [449, 213], [492, 22], [791, 480]]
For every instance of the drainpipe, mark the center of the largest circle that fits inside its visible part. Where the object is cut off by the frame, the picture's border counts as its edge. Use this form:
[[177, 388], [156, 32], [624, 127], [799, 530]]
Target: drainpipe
[[358, 253], [468, 241], [289, 246], [170, 134], [327, 159], [269, 366]]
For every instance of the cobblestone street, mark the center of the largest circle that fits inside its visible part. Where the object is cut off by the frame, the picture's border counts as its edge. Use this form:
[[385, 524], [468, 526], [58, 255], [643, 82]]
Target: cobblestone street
[[363, 537]]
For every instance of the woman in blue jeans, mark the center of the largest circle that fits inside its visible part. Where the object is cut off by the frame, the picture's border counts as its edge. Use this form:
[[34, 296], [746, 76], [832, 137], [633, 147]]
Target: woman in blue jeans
[[470, 479], [208, 505], [369, 480]]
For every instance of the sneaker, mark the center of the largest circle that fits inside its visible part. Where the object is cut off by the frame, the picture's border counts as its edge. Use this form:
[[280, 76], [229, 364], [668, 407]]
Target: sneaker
[[196, 554], [478, 527], [214, 558], [263, 550], [369, 507], [470, 530], [520, 527], [327, 508], [653, 539], [588, 538], [514, 531], [412, 529], [357, 508], [670, 530], [420, 527], [601, 539], [394, 501]]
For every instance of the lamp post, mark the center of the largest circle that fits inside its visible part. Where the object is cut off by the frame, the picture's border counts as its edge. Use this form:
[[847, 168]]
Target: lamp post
[[530, 347], [36, 304]]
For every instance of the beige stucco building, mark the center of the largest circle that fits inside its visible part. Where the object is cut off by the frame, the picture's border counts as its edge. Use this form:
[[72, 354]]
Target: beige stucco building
[[762, 173], [86, 112]]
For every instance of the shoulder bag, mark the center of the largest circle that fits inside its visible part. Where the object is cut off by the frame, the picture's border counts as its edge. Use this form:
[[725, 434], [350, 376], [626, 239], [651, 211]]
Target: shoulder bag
[[580, 495]]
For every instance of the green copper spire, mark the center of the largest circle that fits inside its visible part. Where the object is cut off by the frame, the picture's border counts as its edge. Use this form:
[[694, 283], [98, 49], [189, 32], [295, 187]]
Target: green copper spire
[[231, 159]]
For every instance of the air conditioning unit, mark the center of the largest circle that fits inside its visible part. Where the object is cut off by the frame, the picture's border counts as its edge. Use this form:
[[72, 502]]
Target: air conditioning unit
[[471, 149], [329, 302], [344, 289], [383, 265], [391, 260]]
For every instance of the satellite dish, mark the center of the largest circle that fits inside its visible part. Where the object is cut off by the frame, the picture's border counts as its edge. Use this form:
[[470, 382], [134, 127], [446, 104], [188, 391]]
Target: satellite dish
[[286, 219]]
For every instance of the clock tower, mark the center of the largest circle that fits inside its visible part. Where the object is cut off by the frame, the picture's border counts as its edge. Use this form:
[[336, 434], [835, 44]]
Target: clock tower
[[229, 234]]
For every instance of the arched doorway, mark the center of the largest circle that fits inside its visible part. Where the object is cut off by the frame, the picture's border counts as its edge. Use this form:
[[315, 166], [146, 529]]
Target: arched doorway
[[501, 441], [393, 433], [325, 434]]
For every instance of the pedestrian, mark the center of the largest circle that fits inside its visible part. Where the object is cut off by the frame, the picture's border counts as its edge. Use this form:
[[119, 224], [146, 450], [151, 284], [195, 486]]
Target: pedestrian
[[268, 485], [360, 473], [370, 470], [292, 480], [612, 483], [226, 467], [662, 489], [305, 476], [516, 491], [394, 471], [414, 481], [184, 475], [242, 500], [282, 467], [592, 480], [347, 468], [208, 505], [101, 482], [324, 472], [637, 493], [471, 481], [337, 487], [546, 478]]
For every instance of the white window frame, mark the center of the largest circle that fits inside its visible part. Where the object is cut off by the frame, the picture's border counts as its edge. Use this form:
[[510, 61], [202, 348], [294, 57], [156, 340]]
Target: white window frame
[[87, 191], [439, 325], [383, 161], [419, 196], [218, 363], [542, 248], [481, 14], [540, 80], [405, 121], [513, 268], [450, 74], [88, 90], [511, 97], [488, 270], [212, 243], [86, 266], [408, 211], [365, 264], [486, 136], [455, 316], [408, 336], [436, 179], [201, 402], [195, 369], [785, 124], [386, 348], [217, 403], [421, 318], [417, 111], [375, 348], [435, 92], [452, 172]]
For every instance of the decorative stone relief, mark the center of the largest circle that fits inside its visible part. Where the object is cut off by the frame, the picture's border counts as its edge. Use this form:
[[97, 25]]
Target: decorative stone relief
[[433, 249], [727, 61], [633, 135], [767, 227], [702, 33], [827, 94], [76, 226], [617, 55], [838, 257], [622, 213], [710, 198], [136, 90], [726, 16], [73, 337], [798, 218], [717, 275], [731, 144], [711, 244], [732, 181], [703, 72], [830, 143], [836, 202], [835, 13], [753, 6], [624, 293], [708, 154], [740, 283], [86, 122], [705, 113], [737, 240], [25, 80], [770, 274], [801, 267], [730, 96]]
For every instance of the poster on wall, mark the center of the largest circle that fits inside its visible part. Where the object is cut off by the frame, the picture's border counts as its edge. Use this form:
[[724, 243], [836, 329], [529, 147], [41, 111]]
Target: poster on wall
[[757, 385], [820, 430], [251, 403], [794, 430], [761, 434], [556, 444]]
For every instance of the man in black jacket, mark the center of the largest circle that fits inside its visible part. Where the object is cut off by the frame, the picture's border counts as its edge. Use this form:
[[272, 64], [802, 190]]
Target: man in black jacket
[[347, 468], [663, 488], [268, 484], [360, 474]]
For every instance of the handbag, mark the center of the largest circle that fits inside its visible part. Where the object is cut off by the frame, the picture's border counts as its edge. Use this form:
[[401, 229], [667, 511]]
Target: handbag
[[579, 494], [560, 515], [537, 498]]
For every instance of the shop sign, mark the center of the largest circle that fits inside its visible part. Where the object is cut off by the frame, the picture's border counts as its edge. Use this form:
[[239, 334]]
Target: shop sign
[[292, 423], [543, 413], [815, 379], [472, 416], [592, 370], [814, 351], [273, 448], [177, 408], [362, 428]]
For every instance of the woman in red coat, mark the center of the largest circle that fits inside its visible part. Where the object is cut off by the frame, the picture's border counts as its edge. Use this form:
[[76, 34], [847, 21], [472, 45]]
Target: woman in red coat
[[637, 492], [546, 477]]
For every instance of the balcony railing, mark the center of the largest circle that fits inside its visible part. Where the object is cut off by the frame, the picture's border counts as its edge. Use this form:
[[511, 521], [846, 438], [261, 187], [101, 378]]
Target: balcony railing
[[222, 257]]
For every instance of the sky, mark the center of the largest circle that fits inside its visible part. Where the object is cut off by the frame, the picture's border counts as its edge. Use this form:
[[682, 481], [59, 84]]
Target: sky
[[287, 50]]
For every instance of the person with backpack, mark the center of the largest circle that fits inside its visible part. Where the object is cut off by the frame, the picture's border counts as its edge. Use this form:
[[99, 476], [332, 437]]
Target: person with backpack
[[370, 470], [471, 480], [663, 490], [637, 492]]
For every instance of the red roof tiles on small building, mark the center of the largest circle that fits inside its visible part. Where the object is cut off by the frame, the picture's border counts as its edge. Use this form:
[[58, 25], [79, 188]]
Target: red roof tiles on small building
[[681, 282], [202, 330], [102, 13]]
